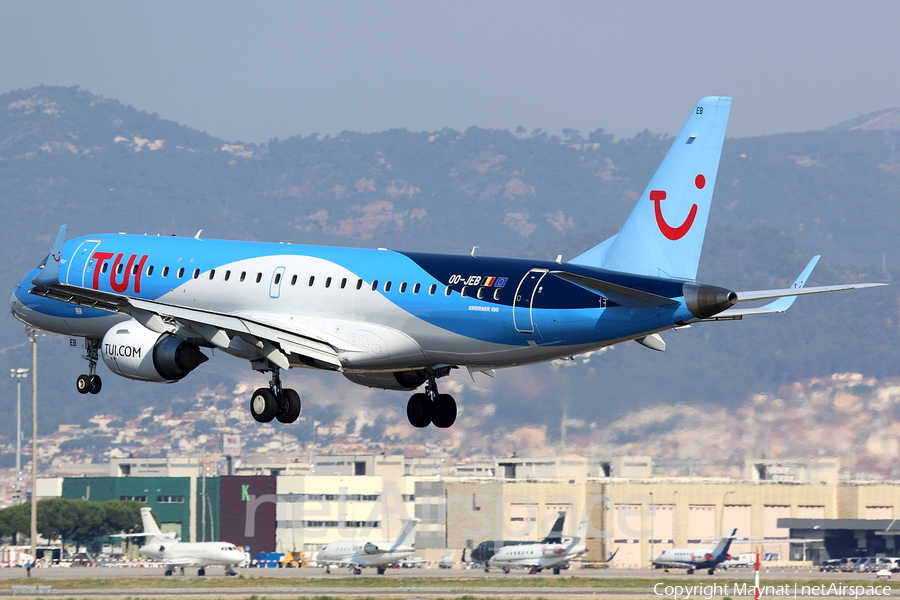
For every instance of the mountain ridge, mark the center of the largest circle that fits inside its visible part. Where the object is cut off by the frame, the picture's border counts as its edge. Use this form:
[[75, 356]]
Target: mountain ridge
[[101, 166]]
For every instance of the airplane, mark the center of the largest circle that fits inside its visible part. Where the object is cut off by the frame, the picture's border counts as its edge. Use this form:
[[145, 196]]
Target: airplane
[[167, 550], [356, 554], [146, 305], [539, 556], [696, 558], [483, 552]]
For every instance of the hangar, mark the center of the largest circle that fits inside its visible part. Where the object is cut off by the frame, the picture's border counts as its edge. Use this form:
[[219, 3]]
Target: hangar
[[823, 539]]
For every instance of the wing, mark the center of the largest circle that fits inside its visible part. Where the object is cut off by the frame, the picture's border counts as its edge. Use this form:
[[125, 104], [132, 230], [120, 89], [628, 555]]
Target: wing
[[783, 299], [179, 561], [272, 340]]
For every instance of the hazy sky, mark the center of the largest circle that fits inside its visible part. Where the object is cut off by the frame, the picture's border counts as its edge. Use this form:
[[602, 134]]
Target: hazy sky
[[251, 71]]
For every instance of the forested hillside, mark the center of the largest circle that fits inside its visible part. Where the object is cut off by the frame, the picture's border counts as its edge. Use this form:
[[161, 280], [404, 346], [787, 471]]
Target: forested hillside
[[68, 156]]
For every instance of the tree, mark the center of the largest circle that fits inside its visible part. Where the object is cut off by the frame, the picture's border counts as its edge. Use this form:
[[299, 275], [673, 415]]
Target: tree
[[122, 516], [15, 520]]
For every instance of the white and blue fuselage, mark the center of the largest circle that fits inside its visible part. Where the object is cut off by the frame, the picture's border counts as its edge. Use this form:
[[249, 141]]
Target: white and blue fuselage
[[147, 305]]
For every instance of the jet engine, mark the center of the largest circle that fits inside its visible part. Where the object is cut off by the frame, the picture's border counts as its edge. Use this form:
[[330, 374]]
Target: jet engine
[[553, 550], [371, 548], [131, 350], [404, 381], [704, 301]]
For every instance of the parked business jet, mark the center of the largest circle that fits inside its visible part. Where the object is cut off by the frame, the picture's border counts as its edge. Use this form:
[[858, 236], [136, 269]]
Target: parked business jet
[[539, 556], [696, 558], [357, 554], [385, 319], [483, 552], [166, 549]]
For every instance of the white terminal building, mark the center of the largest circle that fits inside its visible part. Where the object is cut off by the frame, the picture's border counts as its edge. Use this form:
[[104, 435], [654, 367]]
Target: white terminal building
[[365, 497]]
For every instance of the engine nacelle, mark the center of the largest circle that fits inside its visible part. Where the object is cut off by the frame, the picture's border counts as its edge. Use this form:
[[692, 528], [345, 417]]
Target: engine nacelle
[[404, 381], [553, 550], [371, 548], [131, 350], [704, 301]]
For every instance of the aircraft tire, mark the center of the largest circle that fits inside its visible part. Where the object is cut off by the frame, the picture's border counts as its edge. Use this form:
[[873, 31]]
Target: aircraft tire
[[96, 384], [690, 571], [444, 412], [419, 410], [556, 570], [288, 406], [83, 384], [506, 570], [201, 572], [263, 405], [381, 570], [168, 572], [357, 571], [711, 571]]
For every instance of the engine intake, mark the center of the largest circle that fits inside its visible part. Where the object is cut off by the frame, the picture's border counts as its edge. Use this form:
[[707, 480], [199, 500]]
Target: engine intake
[[705, 301], [131, 350]]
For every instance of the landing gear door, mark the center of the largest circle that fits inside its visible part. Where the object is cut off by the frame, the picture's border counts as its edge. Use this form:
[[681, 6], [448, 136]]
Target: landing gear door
[[80, 269], [522, 303]]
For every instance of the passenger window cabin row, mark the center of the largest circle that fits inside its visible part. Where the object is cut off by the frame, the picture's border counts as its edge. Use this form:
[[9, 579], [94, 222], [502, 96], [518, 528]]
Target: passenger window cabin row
[[482, 291]]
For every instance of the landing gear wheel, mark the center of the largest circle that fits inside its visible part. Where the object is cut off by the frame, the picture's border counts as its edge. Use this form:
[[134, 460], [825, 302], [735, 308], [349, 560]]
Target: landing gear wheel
[[263, 405], [711, 571], [381, 570], [288, 406], [83, 384], [201, 572], [357, 571], [168, 572], [506, 570], [556, 570], [419, 410], [96, 384], [690, 571], [444, 413]]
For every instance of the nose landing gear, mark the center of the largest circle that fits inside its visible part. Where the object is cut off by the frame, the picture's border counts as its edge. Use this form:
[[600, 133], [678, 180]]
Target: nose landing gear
[[424, 409]]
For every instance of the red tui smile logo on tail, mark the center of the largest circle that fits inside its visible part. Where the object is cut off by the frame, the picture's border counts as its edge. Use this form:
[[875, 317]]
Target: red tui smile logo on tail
[[675, 233]]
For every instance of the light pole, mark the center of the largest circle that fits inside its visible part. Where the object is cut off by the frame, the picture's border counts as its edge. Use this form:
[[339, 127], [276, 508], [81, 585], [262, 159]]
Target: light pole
[[18, 374], [722, 518], [652, 508], [33, 335]]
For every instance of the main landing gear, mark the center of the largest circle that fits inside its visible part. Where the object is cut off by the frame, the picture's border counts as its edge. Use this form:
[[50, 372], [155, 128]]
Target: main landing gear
[[90, 383], [431, 407], [275, 402]]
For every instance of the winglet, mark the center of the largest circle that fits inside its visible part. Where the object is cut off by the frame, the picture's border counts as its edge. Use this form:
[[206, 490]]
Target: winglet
[[49, 275], [782, 304]]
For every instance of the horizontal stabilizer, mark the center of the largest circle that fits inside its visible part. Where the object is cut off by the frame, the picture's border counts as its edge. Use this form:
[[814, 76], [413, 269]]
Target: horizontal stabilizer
[[624, 296]]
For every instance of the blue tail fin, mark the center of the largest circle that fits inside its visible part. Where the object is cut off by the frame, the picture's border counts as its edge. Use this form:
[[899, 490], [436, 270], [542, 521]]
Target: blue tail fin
[[663, 235]]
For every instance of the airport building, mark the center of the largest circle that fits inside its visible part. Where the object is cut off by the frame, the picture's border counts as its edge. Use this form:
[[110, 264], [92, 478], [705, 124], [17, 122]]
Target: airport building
[[790, 510]]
